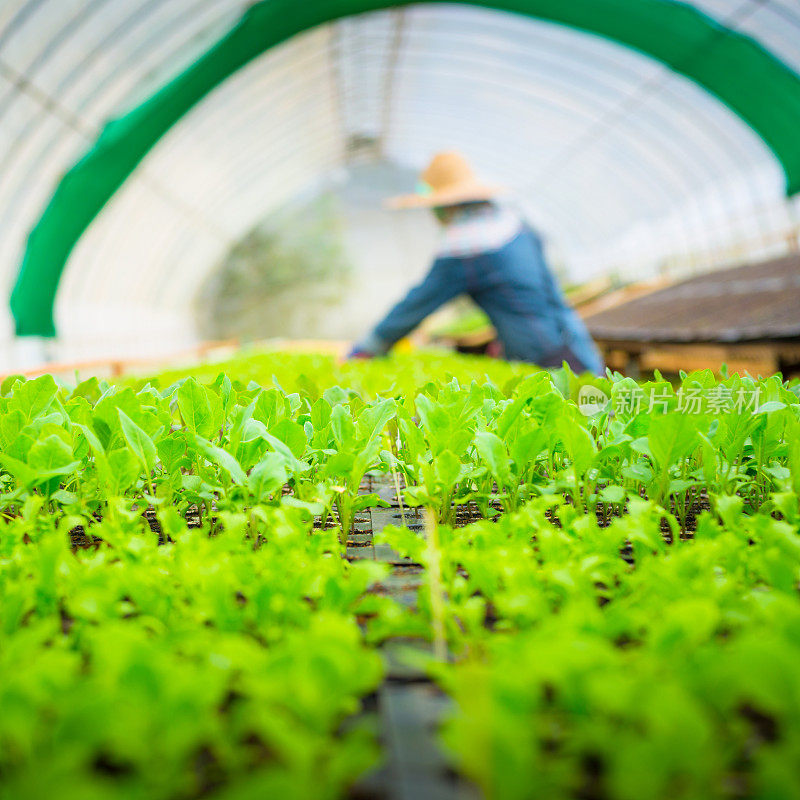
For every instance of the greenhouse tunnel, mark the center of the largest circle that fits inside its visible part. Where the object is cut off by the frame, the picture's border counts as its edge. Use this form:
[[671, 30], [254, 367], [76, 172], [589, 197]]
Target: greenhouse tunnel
[[141, 139]]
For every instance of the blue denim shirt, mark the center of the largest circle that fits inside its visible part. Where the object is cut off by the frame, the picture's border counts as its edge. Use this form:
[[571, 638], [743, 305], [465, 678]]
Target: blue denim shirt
[[519, 294]]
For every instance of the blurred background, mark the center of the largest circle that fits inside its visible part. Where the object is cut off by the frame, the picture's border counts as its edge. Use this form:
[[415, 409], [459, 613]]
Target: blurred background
[[183, 171]]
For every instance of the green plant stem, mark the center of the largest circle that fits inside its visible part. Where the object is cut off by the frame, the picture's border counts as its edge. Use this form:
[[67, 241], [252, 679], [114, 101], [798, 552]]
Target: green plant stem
[[343, 507], [435, 589], [396, 478]]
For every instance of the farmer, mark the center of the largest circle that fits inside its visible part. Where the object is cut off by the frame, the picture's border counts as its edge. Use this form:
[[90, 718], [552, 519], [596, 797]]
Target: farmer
[[490, 254]]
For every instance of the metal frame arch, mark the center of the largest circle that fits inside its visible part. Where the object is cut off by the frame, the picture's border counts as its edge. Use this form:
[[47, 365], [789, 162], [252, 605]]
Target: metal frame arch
[[670, 32]]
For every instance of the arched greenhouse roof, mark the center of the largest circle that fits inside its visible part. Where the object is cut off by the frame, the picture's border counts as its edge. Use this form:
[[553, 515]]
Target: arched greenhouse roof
[[142, 138]]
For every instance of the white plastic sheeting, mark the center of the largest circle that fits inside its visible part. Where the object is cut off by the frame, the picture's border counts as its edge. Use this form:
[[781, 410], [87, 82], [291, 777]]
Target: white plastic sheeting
[[621, 163]]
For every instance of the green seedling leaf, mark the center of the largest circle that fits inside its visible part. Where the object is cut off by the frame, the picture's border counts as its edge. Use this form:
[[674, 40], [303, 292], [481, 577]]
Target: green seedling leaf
[[140, 443], [770, 406], [24, 475], [267, 477], [373, 419], [492, 450], [200, 408], [448, 468], [613, 494], [9, 383], [222, 458], [342, 426], [34, 398], [52, 456], [369, 501], [335, 396], [12, 424], [578, 443], [289, 458], [89, 390], [65, 498], [172, 451], [674, 437], [224, 388], [292, 435]]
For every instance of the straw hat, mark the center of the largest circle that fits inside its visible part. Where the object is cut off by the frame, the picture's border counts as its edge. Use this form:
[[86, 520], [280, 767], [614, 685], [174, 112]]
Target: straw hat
[[448, 181]]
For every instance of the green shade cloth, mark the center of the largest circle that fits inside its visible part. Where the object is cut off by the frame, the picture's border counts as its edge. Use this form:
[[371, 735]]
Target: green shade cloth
[[759, 88]]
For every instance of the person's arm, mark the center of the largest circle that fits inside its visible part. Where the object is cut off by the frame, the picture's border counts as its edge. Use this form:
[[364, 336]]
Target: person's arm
[[439, 286]]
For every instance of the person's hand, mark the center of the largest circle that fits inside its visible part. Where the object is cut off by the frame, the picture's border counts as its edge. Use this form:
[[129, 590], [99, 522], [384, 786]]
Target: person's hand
[[358, 353]]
